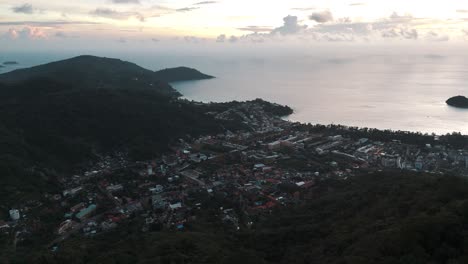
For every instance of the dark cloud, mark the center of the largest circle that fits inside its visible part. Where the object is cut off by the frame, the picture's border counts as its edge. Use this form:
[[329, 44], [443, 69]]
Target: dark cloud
[[24, 9], [187, 9], [206, 3], [117, 15], [322, 17]]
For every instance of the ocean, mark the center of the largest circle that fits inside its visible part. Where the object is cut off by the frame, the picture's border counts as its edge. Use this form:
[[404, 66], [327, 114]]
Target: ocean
[[375, 89]]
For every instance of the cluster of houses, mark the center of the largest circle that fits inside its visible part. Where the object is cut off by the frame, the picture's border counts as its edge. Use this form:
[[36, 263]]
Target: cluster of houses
[[239, 174]]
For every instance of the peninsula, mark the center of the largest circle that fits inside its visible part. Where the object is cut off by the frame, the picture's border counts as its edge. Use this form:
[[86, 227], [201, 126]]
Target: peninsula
[[458, 101]]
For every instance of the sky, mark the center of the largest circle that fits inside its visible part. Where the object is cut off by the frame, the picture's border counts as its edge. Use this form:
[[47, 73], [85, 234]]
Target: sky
[[106, 23]]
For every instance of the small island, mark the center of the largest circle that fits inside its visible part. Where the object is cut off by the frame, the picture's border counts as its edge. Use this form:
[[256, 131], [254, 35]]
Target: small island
[[458, 101], [10, 63]]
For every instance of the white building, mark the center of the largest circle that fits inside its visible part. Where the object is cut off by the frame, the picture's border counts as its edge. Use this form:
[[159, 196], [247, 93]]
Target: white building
[[14, 214]]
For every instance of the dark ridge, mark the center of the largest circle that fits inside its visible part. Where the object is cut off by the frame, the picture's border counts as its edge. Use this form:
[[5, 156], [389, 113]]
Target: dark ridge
[[458, 101], [181, 74], [90, 72]]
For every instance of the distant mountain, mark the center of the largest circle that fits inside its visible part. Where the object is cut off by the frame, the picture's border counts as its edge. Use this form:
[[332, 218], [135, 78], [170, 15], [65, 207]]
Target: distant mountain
[[458, 101], [181, 74], [90, 72], [10, 63]]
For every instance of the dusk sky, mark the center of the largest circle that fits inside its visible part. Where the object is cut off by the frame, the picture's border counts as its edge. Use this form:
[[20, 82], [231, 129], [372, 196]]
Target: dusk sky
[[41, 22]]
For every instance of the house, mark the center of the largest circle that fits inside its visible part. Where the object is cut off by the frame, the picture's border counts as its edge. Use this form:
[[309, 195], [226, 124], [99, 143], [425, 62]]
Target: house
[[14, 214], [175, 206], [72, 192], [86, 212], [77, 207]]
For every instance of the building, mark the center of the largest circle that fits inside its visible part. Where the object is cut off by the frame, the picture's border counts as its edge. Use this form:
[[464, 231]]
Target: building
[[86, 212], [14, 214], [114, 188], [419, 163], [72, 192], [77, 207], [150, 170]]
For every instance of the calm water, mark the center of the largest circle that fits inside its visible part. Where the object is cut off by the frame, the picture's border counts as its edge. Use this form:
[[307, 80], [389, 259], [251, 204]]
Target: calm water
[[400, 92]]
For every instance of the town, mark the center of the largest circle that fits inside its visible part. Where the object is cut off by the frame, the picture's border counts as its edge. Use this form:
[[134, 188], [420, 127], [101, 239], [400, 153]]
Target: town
[[239, 175]]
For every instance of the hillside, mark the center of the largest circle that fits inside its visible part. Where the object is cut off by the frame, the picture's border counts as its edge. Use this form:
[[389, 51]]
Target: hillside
[[63, 113], [180, 74], [89, 72], [389, 217]]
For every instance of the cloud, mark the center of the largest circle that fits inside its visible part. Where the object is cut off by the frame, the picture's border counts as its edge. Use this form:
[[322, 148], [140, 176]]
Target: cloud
[[395, 26], [322, 17], [303, 8], [24, 9], [117, 15], [463, 11], [58, 23], [404, 33], [290, 26], [60, 34], [221, 38], [256, 29], [126, 1], [436, 37], [193, 39], [357, 4], [233, 39], [206, 3], [187, 9], [26, 33]]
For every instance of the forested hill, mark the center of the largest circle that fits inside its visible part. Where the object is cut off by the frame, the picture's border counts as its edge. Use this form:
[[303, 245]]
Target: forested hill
[[386, 217], [90, 72], [61, 114], [180, 74]]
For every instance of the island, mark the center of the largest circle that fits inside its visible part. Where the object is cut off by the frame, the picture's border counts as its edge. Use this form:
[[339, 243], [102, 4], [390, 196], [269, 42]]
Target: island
[[10, 63], [458, 101]]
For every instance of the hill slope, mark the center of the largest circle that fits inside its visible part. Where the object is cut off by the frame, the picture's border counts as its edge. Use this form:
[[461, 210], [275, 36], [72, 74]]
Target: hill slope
[[89, 72], [61, 114], [388, 217]]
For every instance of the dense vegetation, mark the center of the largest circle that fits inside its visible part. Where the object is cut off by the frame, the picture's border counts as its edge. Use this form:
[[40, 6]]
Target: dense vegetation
[[43, 123], [89, 72], [389, 217], [63, 113]]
